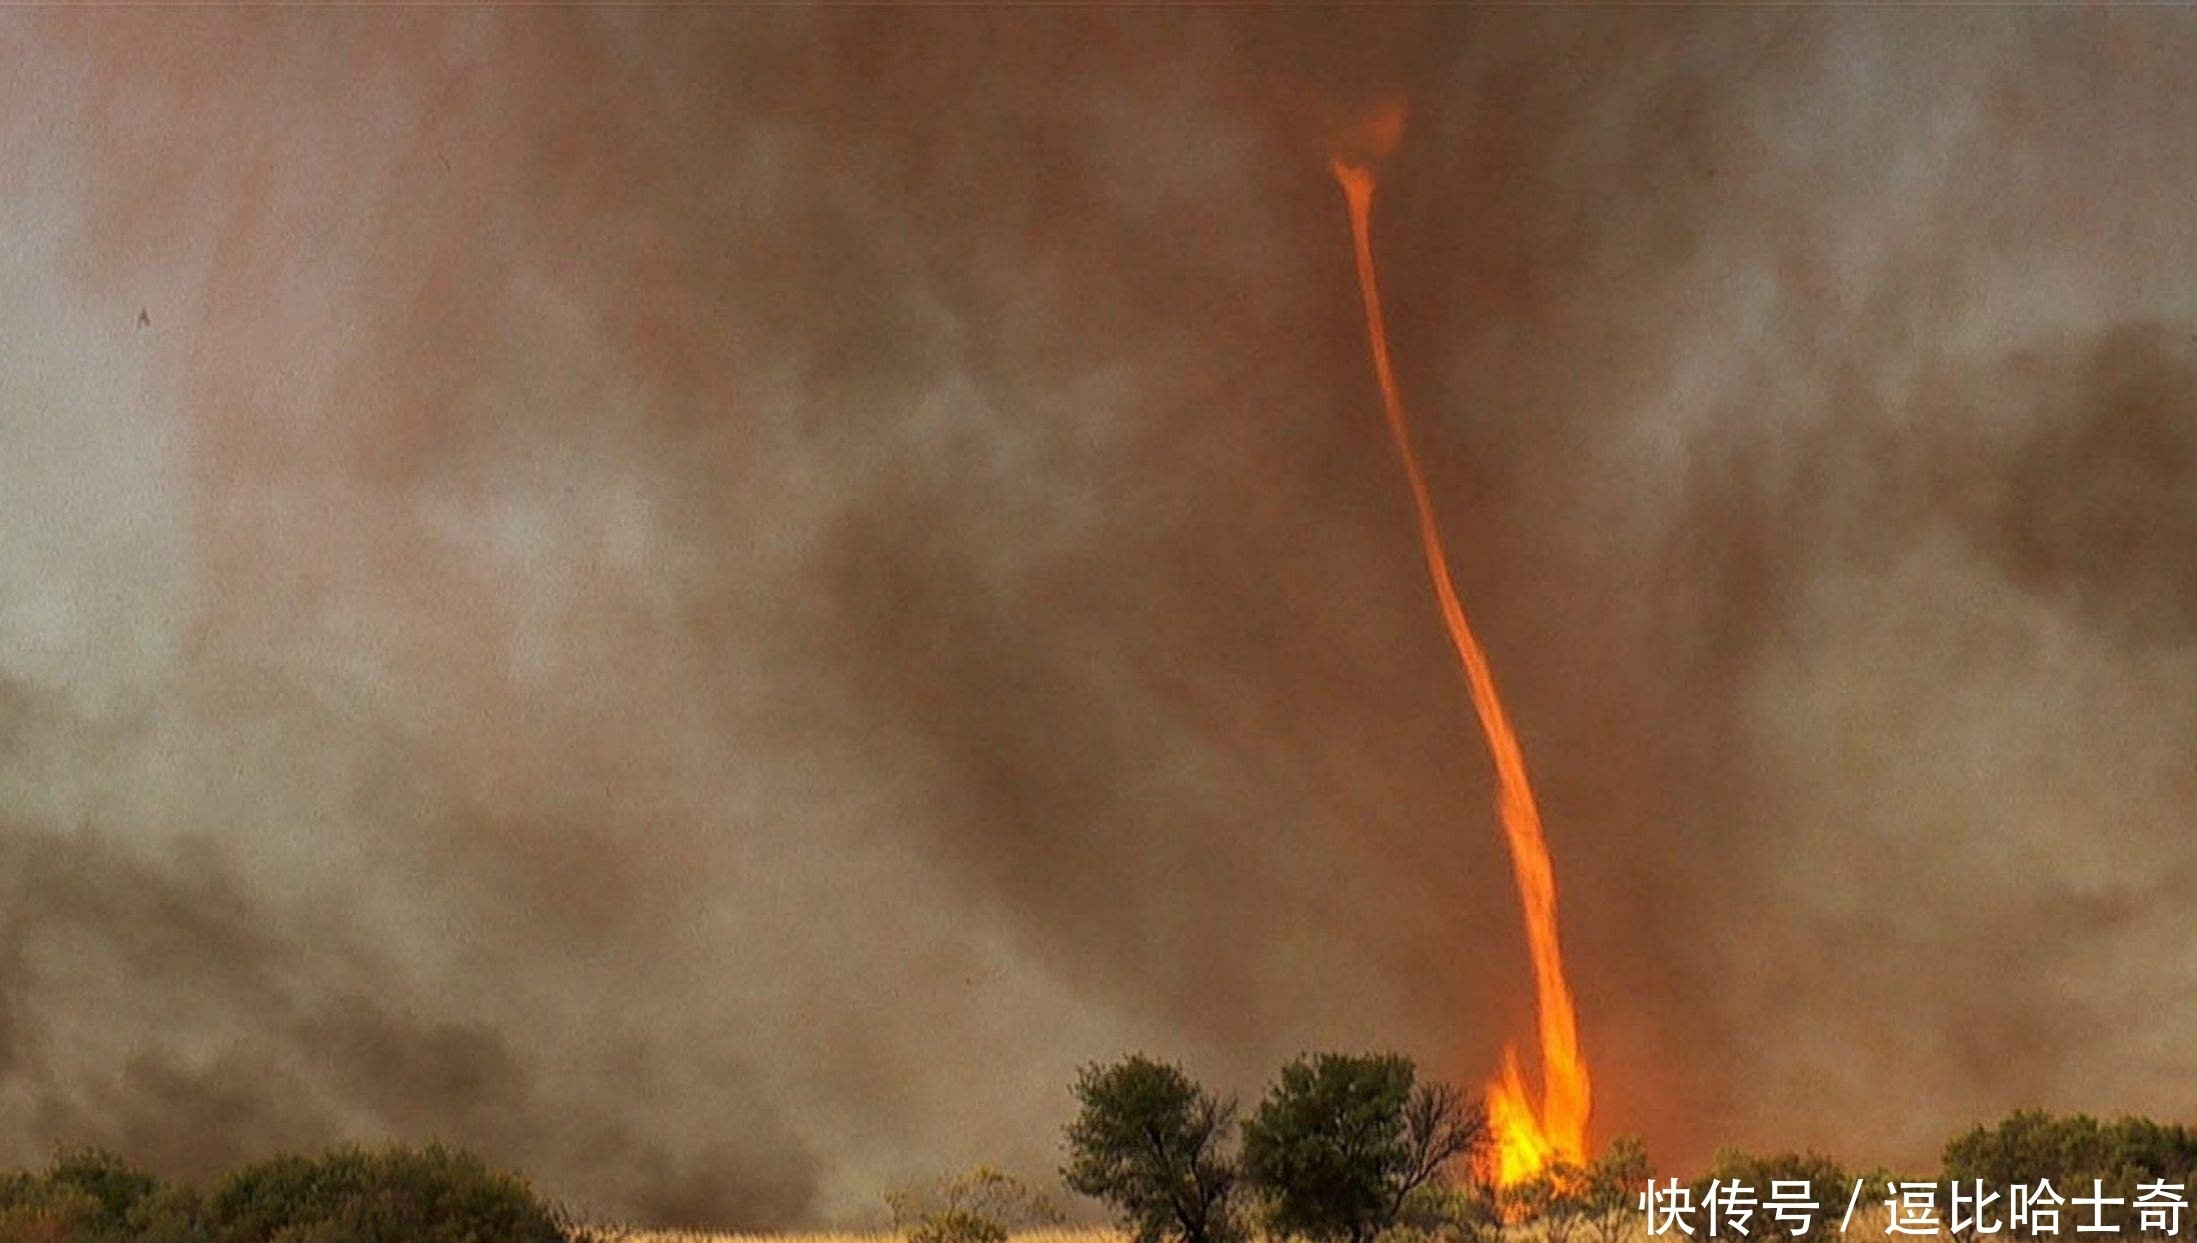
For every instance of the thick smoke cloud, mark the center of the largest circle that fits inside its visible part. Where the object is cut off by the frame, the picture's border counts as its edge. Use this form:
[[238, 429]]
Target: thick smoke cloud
[[709, 602]]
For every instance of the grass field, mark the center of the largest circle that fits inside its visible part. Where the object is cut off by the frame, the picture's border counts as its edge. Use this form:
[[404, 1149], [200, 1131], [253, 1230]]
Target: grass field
[[688, 1236], [1868, 1223]]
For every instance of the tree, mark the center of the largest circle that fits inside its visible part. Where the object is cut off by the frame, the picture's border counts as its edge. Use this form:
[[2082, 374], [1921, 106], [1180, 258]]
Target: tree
[[1150, 1142], [1613, 1183], [1341, 1141], [2070, 1151]]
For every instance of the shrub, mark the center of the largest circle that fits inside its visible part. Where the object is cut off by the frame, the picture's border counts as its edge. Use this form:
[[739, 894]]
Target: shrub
[[393, 1195], [2071, 1152], [1555, 1199], [980, 1205], [1442, 1212], [46, 1214], [956, 1225], [90, 1196], [1828, 1183]]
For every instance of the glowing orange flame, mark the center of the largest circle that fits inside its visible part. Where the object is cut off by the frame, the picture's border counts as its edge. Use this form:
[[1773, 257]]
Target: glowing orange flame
[[1526, 1139]]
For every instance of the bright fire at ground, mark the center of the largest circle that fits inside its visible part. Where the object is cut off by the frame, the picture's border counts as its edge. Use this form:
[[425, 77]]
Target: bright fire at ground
[[1527, 1140]]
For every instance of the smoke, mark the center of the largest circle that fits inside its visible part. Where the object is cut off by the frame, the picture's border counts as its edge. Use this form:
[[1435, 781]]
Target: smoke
[[709, 602]]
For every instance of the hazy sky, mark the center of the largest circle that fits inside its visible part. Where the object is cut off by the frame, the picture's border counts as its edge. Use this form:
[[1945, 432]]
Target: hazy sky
[[709, 601]]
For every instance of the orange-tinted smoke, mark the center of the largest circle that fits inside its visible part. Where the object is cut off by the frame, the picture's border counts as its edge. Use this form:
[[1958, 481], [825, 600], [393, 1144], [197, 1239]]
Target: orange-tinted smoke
[[1527, 1140]]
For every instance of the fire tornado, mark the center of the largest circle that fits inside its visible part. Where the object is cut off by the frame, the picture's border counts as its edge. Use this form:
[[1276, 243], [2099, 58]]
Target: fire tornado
[[1527, 1139]]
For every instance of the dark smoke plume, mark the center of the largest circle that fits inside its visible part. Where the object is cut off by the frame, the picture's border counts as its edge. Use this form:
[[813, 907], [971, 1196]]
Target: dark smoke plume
[[708, 602]]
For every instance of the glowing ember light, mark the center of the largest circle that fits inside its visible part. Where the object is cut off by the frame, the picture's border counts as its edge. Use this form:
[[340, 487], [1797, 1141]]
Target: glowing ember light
[[1527, 1140]]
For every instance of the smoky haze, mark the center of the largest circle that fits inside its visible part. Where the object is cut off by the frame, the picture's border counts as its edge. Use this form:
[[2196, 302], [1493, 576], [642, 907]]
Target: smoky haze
[[709, 602]]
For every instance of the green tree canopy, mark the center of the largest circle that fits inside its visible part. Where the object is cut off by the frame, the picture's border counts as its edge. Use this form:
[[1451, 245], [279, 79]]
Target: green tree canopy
[[1609, 1193], [2073, 1152], [1151, 1143], [1342, 1140]]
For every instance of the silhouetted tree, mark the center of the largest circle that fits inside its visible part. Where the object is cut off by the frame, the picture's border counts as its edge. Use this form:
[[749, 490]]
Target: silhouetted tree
[[1613, 1186], [1341, 1141], [1152, 1143], [2072, 1151]]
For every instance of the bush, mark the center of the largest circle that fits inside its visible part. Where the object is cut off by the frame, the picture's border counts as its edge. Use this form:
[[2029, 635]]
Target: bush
[[1441, 1212], [982, 1205], [1555, 1199], [394, 1195], [1828, 1182], [956, 1225], [91, 1196], [2070, 1152], [46, 1214]]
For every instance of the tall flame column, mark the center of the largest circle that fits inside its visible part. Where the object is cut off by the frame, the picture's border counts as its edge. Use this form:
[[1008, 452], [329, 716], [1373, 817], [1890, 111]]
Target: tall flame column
[[1527, 1139]]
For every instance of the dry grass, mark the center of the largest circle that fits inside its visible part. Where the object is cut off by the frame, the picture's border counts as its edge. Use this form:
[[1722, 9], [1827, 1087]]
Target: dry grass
[[1062, 1235], [1868, 1223]]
